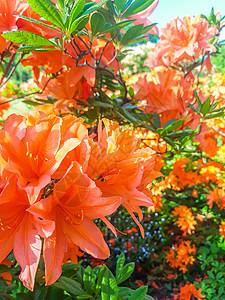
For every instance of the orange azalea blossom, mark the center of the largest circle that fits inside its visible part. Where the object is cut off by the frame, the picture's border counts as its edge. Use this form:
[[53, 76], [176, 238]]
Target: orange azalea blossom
[[222, 229], [157, 204], [189, 290], [39, 151], [8, 10], [210, 173], [68, 87], [186, 220], [120, 168], [75, 202], [19, 230], [182, 39], [166, 92], [216, 196], [181, 255]]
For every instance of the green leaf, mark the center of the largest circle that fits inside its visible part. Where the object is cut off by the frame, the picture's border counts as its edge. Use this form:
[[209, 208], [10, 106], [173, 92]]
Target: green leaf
[[89, 280], [139, 293], [3, 268], [124, 291], [36, 22], [69, 285], [30, 48], [76, 10], [156, 120], [174, 125], [205, 107], [93, 8], [109, 289], [27, 38], [127, 270], [99, 280], [198, 100], [136, 7], [86, 296], [214, 248], [220, 290], [46, 9], [219, 275], [120, 5], [119, 264], [132, 33], [97, 23], [217, 115], [102, 104], [79, 24], [117, 26]]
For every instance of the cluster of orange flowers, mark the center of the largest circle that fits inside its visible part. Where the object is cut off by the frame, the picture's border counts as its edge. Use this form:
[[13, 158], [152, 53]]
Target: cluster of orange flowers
[[216, 196], [182, 39], [58, 180], [186, 220], [222, 229], [165, 91], [181, 255], [189, 290]]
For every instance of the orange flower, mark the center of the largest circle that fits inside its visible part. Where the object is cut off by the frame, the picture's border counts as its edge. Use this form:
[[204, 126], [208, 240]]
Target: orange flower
[[217, 196], [39, 151], [222, 229], [19, 230], [10, 8], [189, 290], [76, 201], [181, 255], [167, 92], [182, 39], [120, 168], [186, 220]]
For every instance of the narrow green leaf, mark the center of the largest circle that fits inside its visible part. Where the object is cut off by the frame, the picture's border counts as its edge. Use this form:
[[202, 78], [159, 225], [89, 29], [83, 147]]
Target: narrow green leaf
[[205, 107], [89, 280], [102, 104], [97, 23], [127, 270], [220, 290], [120, 5], [198, 100], [175, 125], [139, 293], [69, 285], [217, 115], [132, 33], [93, 8], [119, 264], [156, 120], [76, 10], [30, 48], [109, 289], [27, 38], [79, 24], [124, 292], [116, 26], [136, 7], [46, 9], [99, 280], [36, 22]]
